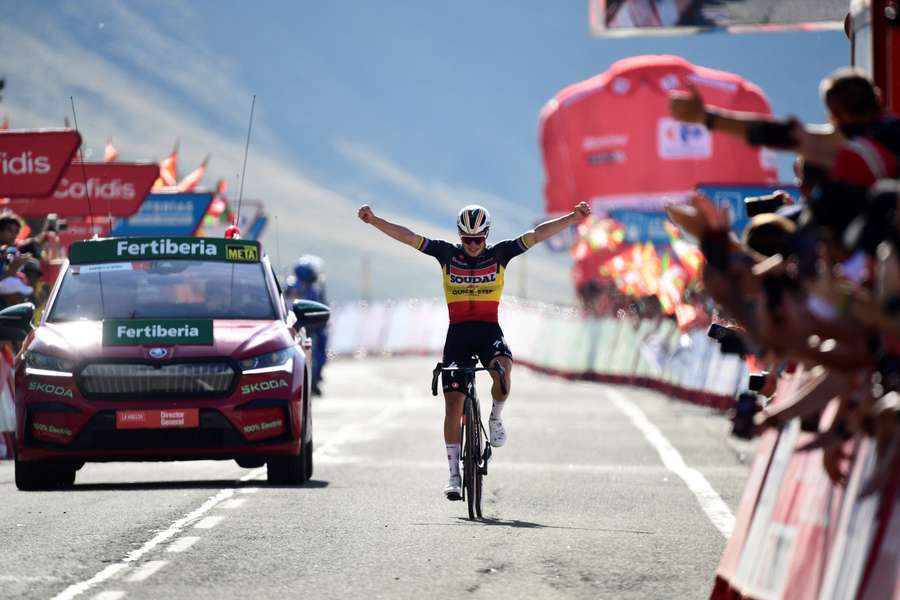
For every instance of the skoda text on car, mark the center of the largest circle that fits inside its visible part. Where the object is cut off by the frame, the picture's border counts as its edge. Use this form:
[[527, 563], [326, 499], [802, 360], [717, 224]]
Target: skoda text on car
[[165, 349]]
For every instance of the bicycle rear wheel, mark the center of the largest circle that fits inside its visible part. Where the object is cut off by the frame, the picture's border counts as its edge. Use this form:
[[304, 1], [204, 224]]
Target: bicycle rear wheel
[[471, 455]]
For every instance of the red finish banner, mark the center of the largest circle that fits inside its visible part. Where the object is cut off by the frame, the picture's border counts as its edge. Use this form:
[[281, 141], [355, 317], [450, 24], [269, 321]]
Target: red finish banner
[[32, 162], [115, 189], [611, 141]]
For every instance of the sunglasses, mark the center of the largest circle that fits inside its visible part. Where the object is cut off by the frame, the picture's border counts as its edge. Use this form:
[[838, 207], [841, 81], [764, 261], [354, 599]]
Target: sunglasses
[[472, 239]]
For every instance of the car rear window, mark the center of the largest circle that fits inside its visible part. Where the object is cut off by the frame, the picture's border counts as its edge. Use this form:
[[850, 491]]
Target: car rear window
[[163, 289]]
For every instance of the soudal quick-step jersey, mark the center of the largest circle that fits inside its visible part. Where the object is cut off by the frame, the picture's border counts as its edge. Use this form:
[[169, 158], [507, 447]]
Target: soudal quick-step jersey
[[473, 284]]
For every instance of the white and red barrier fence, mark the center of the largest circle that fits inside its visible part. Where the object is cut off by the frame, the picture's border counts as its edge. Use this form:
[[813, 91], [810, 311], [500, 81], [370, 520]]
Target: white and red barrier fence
[[7, 406], [558, 341], [800, 535]]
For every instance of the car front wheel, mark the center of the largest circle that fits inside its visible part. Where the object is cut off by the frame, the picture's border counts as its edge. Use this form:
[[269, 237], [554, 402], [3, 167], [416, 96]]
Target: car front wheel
[[44, 475], [287, 470]]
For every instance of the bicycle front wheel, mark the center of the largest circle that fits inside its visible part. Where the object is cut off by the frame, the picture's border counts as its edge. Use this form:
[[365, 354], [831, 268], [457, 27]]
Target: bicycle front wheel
[[479, 459], [471, 455]]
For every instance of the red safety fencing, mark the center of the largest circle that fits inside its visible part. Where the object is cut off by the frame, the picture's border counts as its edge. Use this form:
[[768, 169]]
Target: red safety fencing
[[7, 406], [800, 535], [558, 341]]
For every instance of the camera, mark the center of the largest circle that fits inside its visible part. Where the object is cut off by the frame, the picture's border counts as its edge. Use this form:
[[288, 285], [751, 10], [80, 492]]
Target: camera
[[746, 406], [730, 341], [758, 205], [54, 223], [777, 134], [757, 381]]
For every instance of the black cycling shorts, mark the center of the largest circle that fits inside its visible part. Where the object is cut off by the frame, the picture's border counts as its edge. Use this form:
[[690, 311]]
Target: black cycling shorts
[[464, 342]]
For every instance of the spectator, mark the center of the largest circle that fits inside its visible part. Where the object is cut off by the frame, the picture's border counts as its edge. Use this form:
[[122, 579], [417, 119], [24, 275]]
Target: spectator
[[309, 284]]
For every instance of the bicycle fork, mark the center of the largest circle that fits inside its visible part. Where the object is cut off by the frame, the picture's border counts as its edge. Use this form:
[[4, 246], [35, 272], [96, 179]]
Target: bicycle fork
[[486, 454]]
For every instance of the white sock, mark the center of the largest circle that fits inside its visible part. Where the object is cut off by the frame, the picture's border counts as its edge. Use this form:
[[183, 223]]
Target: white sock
[[497, 408], [453, 458]]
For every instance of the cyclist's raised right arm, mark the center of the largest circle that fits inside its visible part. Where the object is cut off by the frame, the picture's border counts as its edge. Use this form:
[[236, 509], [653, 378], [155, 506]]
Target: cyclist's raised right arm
[[398, 232]]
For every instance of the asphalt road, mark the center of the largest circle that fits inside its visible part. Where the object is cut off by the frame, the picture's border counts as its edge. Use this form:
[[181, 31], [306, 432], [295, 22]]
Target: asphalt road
[[589, 499]]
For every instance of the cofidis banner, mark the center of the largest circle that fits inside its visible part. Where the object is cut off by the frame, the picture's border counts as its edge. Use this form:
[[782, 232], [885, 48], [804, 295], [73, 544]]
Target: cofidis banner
[[31, 162], [87, 189], [166, 214]]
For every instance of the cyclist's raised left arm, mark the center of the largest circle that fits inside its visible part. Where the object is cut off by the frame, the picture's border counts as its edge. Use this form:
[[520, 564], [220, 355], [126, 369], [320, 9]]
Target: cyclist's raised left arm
[[550, 228]]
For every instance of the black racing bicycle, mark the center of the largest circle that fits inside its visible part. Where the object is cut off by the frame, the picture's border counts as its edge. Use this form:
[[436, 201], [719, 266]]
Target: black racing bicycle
[[476, 449]]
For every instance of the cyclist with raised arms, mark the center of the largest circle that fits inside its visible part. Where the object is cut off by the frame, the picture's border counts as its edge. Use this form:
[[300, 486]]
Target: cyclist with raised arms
[[473, 283]]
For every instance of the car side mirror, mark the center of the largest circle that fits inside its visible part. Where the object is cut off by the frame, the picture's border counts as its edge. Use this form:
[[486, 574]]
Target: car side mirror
[[15, 321], [310, 314]]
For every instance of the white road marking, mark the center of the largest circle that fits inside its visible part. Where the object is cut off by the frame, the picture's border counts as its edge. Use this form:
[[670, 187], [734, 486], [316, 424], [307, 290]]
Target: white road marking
[[182, 543], [27, 578], [146, 570], [710, 501], [249, 490], [174, 529], [110, 595], [233, 503], [209, 522]]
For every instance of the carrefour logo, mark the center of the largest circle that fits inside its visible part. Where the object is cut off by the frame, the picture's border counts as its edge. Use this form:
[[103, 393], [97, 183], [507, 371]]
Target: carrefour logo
[[49, 389], [263, 386], [678, 140]]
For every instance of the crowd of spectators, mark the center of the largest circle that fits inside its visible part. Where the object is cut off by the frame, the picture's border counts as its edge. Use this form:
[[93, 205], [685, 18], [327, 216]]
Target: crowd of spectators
[[20, 263], [814, 286]]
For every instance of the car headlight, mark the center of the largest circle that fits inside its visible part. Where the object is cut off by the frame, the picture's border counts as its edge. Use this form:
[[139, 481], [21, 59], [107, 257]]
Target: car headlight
[[45, 364], [267, 363]]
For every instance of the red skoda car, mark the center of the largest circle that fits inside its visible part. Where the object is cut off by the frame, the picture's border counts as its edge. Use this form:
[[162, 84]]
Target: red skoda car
[[165, 349]]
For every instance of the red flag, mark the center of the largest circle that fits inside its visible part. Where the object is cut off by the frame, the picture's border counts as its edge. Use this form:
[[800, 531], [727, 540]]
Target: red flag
[[672, 285], [111, 153], [168, 170], [190, 183], [688, 254], [5, 124]]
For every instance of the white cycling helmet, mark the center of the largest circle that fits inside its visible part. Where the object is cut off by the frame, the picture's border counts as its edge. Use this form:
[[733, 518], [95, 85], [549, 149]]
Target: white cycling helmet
[[473, 220]]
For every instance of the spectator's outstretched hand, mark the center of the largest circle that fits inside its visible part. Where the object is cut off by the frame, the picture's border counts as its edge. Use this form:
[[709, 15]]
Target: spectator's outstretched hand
[[687, 106], [583, 209], [700, 216]]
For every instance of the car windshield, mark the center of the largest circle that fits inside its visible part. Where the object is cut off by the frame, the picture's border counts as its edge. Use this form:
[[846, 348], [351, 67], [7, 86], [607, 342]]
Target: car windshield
[[172, 289]]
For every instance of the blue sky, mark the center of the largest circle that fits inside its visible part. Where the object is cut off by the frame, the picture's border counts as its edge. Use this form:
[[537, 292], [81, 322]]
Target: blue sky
[[414, 107]]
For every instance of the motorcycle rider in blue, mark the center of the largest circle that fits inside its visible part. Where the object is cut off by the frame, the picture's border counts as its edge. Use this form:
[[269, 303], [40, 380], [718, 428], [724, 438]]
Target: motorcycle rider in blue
[[308, 283]]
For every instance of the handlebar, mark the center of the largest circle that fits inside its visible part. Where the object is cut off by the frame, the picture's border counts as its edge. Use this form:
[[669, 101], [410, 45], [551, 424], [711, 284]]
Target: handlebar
[[439, 368]]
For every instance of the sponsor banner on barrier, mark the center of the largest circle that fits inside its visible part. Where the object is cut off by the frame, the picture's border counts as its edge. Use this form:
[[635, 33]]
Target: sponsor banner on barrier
[[115, 189], [885, 571], [32, 162], [166, 214], [856, 528], [747, 507], [759, 535]]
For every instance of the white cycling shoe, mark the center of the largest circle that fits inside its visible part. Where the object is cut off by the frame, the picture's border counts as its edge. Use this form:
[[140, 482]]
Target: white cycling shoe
[[498, 432], [453, 490]]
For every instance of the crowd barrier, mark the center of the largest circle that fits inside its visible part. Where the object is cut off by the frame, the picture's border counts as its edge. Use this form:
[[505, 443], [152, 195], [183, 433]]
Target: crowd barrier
[[558, 341], [797, 534], [7, 406]]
